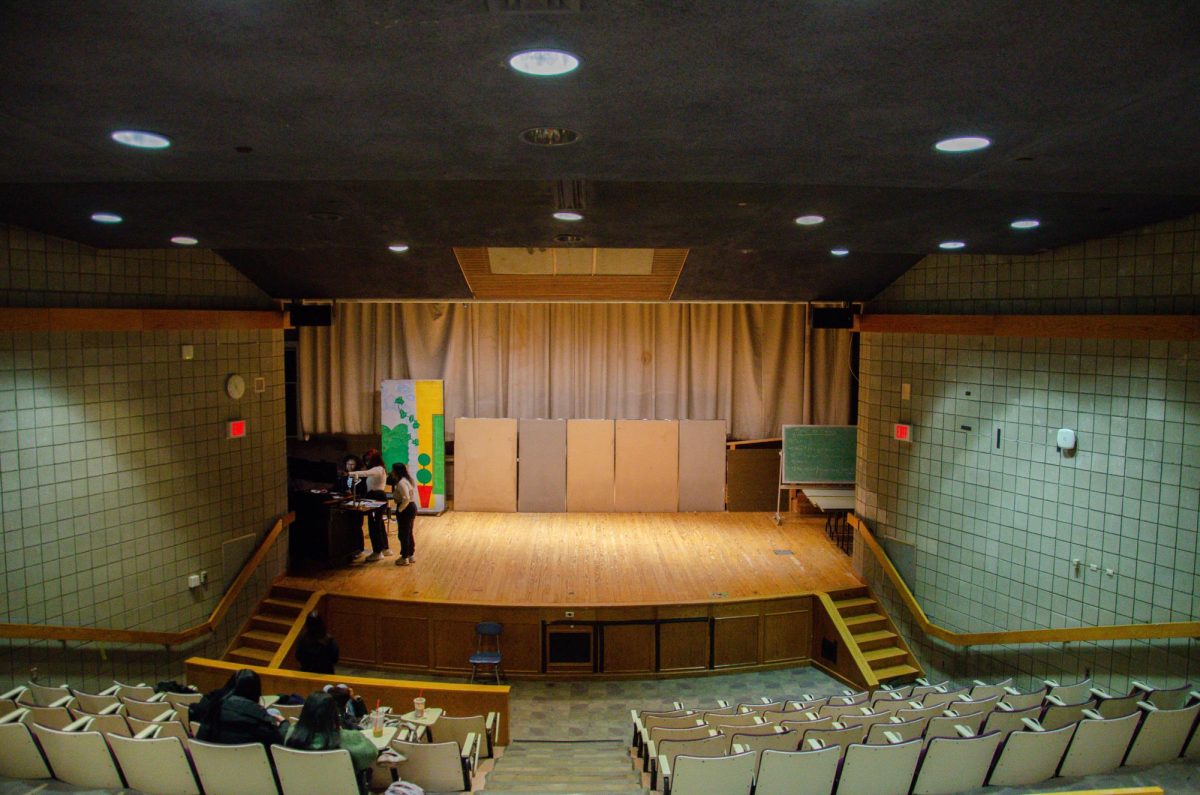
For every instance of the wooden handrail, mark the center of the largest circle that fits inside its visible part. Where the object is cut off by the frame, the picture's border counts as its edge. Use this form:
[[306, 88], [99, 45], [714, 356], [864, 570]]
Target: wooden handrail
[[1174, 629], [294, 632], [103, 635], [870, 681]]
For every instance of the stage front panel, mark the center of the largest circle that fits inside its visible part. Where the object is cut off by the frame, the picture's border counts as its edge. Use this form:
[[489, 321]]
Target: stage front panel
[[647, 466], [485, 465], [701, 465], [590, 465], [542, 468]]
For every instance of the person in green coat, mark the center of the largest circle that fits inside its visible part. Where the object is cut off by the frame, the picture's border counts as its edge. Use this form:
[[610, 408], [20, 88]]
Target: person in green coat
[[318, 729]]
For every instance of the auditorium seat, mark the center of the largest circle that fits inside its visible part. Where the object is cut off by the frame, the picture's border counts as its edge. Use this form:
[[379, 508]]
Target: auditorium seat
[[879, 769], [836, 711], [1058, 713], [760, 707], [952, 726], [457, 729], [147, 710], [1164, 698], [1099, 744], [903, 692], [32, 694], [666, 751], [955, 764], [811, 722], [1110, 705], [982, 689], [866, 720], [50, 717], [914, 713], [96, 703], [649, 756], [901, 731], [112, 723], [974, 706], [1006, 721], [943, 698], [1018, 700], [699, 775], [798, 772], [315, 772], [154, 729], [155, 766], [1031, 756], [842, 736], [719, 712], [1069, 694], [81, 758], [1162, 734], [435, 767], [142, 692], [20, 756], [233, 769], [763, 730], [757, 743], [923, 687], [744, 719]]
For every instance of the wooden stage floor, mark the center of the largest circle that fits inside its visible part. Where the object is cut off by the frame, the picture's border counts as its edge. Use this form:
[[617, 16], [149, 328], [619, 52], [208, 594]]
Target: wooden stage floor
[[593, 560]]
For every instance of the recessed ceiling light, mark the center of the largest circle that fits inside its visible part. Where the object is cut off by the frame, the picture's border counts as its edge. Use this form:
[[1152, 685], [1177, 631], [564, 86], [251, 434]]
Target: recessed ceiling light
[[184, 240], [839, 252], [952, 244], [549, 136], [141, 139], [568, 238], [967, 143], [399, 248], [568, 215], [810, 220], [107, 218], [544, 63], [1026, 223]]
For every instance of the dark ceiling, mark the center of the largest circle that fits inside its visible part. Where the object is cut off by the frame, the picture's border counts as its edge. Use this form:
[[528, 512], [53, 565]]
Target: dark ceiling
[[705, 124]]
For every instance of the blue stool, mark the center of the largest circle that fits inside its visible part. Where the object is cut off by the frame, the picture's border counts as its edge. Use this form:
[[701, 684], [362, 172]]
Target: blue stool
[[487, 648]]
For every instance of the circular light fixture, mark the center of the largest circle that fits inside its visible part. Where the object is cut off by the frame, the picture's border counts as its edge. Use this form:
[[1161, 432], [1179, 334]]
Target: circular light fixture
[[966, 143], [398, 248], [107, 218], [140, 139], [549, 136], [544, 63], [810, 220], [950, 245], [1026, 223], [184, 240], [839, 252], [568, 215]]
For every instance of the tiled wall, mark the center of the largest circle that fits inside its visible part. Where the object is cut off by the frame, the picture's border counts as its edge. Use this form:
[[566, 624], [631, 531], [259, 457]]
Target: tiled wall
[[116, 479], [996, 530]]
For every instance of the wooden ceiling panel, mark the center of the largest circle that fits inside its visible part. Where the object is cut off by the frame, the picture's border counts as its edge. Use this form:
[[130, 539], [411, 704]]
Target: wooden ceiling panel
[[658, 285]]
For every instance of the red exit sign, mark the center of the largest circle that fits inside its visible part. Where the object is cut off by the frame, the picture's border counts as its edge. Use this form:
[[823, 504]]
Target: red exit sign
[[903, 433], [237, 429]]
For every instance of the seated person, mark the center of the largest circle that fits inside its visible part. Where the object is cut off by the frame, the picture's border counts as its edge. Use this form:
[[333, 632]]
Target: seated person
[[233, 715], [351, 709], [318, 729]]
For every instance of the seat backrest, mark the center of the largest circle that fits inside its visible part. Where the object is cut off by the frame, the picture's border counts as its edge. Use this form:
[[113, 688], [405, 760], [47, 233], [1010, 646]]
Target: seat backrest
[[50, 717], [679, 722], [42, 696], [903, 691], [19, 754], [745, 719], [79, 758], [1119, 706], [760, 707], [1099, 745], [105, 724], [704, 746], [918, 691], [703, 714], [1006, 722], [94, 703], [836, 711], [913, 713], [866, 721], [435, 767], [943, 699], [1055, 716], [156, 767], [658, 733], [905, 730], [233, 769], [879, 769], [1071, 694], [804, 725], [975, 705], [757, 743], [145, 710], [1162, 735], [314, 772], [289, 710], [984, 690], [1029, 757], [1019, 701], [797, 772], [448, 729], [766, 730], [955, 764], [1168, 698], [140, 692], [700, 775], [945, 726], [166, 728], [840, 737]]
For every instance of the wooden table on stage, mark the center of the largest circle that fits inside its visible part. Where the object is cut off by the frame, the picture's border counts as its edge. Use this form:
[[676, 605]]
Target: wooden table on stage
[[835, 503]]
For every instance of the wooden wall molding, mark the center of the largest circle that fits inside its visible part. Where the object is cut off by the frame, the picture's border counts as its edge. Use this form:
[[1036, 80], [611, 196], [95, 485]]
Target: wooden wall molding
[[1096, 327], [83, 319]]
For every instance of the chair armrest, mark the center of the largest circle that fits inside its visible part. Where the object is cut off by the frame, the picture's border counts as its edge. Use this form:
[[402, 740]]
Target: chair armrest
[[865, 710], [492, 723], [963, 697], [837, 724], [1055, 700], [894, 719], [65, 701], [815, 744], [1147, 706], [979, 682], [892, 738], [949, 713], [15, 693], [674, 705], [109, 691], [1012, 691], [148, 733], [158, 697], [1003, 707], [738, 748], [940, 689], [167, 715], [1032, 725], [811, 716], [1194, 695], [16, 716], [722, 703], [112, 709], [1098, 693], [759, 720], [1092, 714], [1050, 682], [846, 692], [470, 749], [964, 731], [79, 725], [664, 768], [651, 751]]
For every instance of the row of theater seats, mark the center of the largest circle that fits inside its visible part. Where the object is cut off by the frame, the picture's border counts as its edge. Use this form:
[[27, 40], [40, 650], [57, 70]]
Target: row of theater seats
[[925, 739], [130, 736]]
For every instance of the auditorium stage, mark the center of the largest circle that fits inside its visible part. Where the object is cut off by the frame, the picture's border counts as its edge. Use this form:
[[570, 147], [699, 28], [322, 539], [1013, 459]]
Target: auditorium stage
[[593, 560]]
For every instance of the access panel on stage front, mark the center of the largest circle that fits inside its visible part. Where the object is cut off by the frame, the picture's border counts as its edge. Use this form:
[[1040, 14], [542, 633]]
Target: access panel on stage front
[[485, 464], [701, 465], [647, 466], [590, 465], [542, 468]]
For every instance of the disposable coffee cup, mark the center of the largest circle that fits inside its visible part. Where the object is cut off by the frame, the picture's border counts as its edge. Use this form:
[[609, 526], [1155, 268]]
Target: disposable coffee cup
[[419, 707]]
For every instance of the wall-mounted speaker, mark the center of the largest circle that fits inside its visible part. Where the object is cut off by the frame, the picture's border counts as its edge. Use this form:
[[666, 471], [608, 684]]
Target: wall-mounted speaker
[[832, 317], [310, 314]]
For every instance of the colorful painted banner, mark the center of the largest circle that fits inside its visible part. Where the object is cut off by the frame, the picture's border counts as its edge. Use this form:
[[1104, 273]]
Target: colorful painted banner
[[413, 426]]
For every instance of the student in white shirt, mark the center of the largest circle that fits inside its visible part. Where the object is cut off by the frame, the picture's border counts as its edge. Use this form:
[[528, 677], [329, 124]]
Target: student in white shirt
[[376, 477], [404, 491]]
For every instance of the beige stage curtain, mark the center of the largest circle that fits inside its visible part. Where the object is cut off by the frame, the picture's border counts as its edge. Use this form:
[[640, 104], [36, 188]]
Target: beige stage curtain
[[756, 366]]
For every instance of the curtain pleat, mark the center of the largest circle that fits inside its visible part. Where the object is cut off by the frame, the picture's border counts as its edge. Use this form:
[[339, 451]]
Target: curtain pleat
[[755, 366]]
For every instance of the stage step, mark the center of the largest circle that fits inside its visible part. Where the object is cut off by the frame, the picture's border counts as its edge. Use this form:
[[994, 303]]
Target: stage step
[[877, 639], [897, 672], [265, 631], [874, 639]]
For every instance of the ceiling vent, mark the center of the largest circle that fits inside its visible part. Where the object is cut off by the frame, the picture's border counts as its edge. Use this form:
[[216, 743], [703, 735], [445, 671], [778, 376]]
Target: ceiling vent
[[568, 195]]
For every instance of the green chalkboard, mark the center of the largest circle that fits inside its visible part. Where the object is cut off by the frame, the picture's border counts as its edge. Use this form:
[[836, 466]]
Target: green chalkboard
[[819, 453]]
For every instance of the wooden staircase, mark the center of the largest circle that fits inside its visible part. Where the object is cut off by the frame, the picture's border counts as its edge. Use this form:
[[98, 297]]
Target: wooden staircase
[[875, 635], [266, 631]]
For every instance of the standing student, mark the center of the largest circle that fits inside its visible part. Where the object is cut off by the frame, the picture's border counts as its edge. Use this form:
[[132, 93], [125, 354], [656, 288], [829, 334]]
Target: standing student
[[316, 650], [376, 477], [404, 491]]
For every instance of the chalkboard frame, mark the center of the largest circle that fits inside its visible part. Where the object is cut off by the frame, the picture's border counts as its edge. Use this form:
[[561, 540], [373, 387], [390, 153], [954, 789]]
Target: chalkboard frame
[[832, 474]]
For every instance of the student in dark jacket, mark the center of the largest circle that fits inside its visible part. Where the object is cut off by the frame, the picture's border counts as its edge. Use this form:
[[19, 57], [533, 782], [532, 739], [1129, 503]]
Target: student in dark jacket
[[233, 715], [316, 650]]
